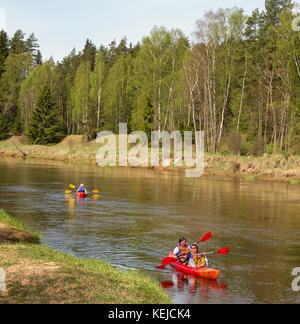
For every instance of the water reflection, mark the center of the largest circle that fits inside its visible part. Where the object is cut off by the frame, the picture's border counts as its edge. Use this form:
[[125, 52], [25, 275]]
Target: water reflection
[[70, 200], [206, 289]]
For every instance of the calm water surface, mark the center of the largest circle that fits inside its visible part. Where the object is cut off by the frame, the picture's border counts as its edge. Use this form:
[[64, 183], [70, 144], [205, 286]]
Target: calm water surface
[[141, 214]]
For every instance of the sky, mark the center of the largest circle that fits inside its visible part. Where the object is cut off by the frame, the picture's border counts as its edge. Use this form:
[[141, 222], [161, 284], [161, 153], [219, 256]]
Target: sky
[[61, 25]]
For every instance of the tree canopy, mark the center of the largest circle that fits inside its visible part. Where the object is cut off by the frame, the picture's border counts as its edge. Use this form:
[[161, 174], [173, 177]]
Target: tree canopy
[[238, 80]]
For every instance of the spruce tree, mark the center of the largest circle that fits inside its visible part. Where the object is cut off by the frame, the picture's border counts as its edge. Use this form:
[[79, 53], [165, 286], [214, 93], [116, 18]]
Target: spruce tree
[[32, 45], [17, 43], [44, 127], [38, 58], [3, 50], [89, 53], [4, 128]]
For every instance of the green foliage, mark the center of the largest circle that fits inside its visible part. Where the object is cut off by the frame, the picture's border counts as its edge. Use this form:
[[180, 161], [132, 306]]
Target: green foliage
[[38, 58], [18, 43], [44, 127], [239, 83], [80, 94], [4, 41], [4, 128]]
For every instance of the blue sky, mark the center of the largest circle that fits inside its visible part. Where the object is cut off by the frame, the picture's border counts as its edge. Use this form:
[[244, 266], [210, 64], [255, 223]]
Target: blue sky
[[61, 25]]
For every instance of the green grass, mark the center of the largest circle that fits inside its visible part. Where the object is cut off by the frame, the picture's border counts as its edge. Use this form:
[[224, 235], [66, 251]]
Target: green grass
[[17, 225], [40, 275], [11, 221], [73, 281]]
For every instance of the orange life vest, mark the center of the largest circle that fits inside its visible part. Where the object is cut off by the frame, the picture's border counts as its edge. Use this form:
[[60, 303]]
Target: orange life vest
[[199, 260], [183, 252]]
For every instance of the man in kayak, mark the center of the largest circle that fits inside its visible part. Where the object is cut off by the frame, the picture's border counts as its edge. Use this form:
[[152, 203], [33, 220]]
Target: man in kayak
[[181, 251], [196, 259], [82, 189]]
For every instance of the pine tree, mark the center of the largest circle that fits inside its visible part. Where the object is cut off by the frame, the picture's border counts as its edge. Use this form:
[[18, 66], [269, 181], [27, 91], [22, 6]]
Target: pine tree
[[3, 49], [4, 128], [44, 127], [31, 45], [17, 43], [89, 53], [38, 58]]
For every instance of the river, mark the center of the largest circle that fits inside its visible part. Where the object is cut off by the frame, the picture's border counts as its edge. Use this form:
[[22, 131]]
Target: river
[[141, 214]]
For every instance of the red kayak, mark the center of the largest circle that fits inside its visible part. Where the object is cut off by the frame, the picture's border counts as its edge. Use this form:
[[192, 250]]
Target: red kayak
[[81, 195], [207, 273]]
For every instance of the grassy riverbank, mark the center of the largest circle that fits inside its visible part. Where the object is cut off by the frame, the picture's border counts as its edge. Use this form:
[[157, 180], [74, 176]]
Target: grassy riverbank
[[76, 149], [36, 274]]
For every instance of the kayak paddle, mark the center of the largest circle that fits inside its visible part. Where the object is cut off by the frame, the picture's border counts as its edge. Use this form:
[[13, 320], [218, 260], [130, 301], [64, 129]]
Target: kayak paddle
[[206, 237], [222, 251], [94, 191], [165, 262], [68, 191]]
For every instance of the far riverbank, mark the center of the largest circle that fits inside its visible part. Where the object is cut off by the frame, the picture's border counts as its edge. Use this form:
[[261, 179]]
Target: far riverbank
[[76, 149]]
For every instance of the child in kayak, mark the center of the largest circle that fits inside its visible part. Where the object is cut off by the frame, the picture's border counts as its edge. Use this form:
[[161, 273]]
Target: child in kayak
[[182, 251], [196, 259], [82, 189]]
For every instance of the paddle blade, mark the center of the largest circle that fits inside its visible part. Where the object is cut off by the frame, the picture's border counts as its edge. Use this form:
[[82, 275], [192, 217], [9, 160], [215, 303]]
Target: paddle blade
[[96, 191], [223, 251], [68, 191], [72, 186], [167, 284], [161, 267], [206, 237], [167, 261]]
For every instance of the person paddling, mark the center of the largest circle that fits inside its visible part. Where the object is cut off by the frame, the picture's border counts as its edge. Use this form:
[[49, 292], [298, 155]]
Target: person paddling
[[196, 259], [82, 189], [181, 251]]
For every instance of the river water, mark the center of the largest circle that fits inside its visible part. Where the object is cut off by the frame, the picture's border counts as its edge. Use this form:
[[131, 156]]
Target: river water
[[141, 214]]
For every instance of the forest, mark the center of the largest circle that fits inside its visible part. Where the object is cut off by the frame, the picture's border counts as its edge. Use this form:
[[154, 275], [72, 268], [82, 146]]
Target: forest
[[238, 80]]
